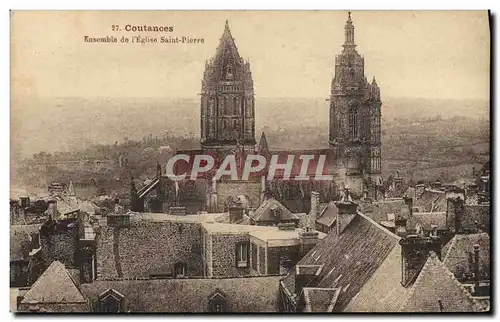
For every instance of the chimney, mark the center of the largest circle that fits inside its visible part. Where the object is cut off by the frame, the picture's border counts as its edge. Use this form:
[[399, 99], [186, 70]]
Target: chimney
[[52, 208], [236, 212], [409, 206], [347, 210], [314, 212], [414, 253], [455, 200], [400, 226], [477, 276]]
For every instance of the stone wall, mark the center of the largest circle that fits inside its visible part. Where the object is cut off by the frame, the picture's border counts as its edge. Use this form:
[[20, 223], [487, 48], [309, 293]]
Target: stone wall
[[262, 260], [149, 248], [224, 255], [60, 246]]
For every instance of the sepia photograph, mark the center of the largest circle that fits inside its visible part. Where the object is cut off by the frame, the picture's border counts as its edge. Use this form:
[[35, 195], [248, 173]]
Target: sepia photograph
[[250, 161]]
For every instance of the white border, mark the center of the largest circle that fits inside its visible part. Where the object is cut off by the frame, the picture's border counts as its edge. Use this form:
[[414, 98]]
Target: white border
[[181, 5]]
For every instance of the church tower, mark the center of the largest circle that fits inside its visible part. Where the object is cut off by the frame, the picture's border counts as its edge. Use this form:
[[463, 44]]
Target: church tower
[[355, 118], [227, 100]]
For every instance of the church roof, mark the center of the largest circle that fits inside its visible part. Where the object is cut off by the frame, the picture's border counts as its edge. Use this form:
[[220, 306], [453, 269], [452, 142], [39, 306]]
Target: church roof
[[263, 147], [55, 285]]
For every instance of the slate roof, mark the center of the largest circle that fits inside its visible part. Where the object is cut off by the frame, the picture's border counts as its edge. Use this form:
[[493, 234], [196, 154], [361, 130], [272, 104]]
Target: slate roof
[[431, 201], [320, 299], [251, 294], [349, 259], [364, 262], [328, 214], [427, 219], [378, 210], [20, 243], [265, 211], [476, 218], [456, 254], [437, 290], [55, 285]]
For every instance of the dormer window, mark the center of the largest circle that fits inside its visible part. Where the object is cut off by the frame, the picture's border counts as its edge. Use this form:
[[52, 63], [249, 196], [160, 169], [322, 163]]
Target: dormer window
[[242, 254], [217, 302], [179, 269], [111, 301]]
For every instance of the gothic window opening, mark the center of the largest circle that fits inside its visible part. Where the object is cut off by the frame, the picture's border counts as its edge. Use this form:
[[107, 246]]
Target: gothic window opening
[[242, 254], [235, 106], [229, 73], [179, 269], [353, 122], [217, 302]]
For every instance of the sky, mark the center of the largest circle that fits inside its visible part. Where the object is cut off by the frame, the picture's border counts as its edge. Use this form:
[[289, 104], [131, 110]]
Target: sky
[[417, 54]]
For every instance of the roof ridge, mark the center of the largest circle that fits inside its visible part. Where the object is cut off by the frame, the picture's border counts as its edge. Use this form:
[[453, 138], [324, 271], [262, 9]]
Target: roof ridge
[[447, 272], [452, 244], [386, 231], [462, 288]]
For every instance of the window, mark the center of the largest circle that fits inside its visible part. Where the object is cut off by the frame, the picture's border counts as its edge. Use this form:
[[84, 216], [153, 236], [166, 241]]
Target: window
[[179, 270], [242, 254], [217, 302], [111, 301], [353, 123]]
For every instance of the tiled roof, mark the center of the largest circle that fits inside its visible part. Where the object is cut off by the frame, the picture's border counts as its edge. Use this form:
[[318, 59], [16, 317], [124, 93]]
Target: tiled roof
[[459, 250], [320, 299], [328, 215], [265, 211], [55, 285], [252, 294], [378, 210], [437, 290], [350, 259], [383, 291], [476, 218], [431, 201], [20, 243], [427, 219]]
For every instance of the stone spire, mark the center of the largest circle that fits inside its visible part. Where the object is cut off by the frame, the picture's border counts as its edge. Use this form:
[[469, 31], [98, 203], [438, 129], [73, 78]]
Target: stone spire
[[349, 33]]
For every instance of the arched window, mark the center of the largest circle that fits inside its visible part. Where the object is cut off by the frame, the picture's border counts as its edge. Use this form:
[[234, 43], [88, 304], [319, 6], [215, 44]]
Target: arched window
[[235, 106], [353, 123], [217, 302]]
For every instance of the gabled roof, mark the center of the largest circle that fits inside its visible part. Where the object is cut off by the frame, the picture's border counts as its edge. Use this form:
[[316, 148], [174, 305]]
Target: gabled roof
[[350, 259], [55, 285], [437, 290], [267, 209], [460, 249], [191, 295]]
